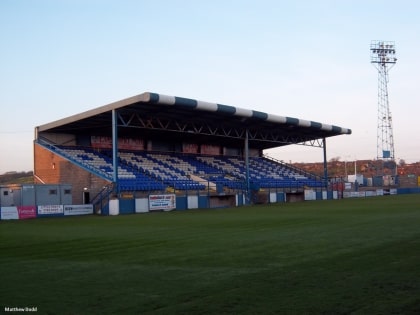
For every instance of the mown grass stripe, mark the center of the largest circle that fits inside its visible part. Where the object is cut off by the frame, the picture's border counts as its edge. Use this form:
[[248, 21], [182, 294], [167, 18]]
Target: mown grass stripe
[[343, 256]]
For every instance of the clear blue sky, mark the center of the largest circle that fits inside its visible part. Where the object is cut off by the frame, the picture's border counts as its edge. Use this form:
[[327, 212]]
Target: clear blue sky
[[304, 59]]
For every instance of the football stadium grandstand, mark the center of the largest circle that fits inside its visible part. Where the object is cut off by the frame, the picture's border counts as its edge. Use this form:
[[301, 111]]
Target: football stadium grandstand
[[153, 144]]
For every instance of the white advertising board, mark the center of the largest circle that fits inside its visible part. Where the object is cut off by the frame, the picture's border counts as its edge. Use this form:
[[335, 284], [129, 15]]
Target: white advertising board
[[310, 194], [50, 209], [142, 205], [9, 213], [164, 202], [78, 209]]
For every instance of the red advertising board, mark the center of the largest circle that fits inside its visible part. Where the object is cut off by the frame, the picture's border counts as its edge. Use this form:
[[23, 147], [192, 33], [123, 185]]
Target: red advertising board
[[210, 149], [123, 143], [130, 144], [101, 142], [16, 213], [26, 212], [189, 147]]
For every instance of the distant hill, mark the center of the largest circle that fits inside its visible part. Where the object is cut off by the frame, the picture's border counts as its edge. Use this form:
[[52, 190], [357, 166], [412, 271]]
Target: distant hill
[[17, 178]]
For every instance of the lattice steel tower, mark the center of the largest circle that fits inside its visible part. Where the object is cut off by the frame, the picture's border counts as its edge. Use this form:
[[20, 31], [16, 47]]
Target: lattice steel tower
[[383, 57]]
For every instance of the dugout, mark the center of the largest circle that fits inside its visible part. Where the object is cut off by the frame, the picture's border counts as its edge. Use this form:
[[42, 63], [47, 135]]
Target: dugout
[[152, 122]]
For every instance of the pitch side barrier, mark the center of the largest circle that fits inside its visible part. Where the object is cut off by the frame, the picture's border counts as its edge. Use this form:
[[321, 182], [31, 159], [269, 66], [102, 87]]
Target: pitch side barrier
[[170, 202], [127, 204], [41, 211], [324, 195]]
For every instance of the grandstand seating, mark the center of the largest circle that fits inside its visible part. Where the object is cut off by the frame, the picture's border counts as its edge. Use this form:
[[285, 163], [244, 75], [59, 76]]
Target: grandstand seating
[[165, 168], [146, 171]]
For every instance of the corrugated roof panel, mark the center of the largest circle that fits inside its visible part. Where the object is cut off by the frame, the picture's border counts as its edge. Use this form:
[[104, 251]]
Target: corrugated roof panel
[[304, 123], [243, 112], [316, 125], [326, 127], [292, 121], [185, 102], [211, 107], [226, 109], [166, 99], [276, 119], [259, 115]]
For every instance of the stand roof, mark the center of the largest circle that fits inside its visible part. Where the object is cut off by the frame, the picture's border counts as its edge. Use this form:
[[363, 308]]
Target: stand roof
[[157, 116]]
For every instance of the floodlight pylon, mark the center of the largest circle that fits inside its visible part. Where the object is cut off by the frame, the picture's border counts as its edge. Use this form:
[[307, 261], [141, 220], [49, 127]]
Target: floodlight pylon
[[383, 57]]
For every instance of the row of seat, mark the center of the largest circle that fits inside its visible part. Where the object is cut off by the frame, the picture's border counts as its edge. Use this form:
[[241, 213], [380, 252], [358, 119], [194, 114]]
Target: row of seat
[[155, 171], [160, 167]]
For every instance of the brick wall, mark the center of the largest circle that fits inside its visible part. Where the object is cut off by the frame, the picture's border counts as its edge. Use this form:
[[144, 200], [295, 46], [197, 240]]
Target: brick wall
[[50, 168]]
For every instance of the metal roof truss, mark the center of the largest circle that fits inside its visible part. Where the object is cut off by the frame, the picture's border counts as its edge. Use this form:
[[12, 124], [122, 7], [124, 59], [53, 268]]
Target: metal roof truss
[[214, 129]]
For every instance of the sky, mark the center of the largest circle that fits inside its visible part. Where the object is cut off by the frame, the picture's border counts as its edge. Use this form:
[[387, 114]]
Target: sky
[[306, 59]]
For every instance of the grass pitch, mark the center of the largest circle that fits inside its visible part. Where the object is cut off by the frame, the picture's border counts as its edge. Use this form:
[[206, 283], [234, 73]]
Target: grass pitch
[[353, 256]]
